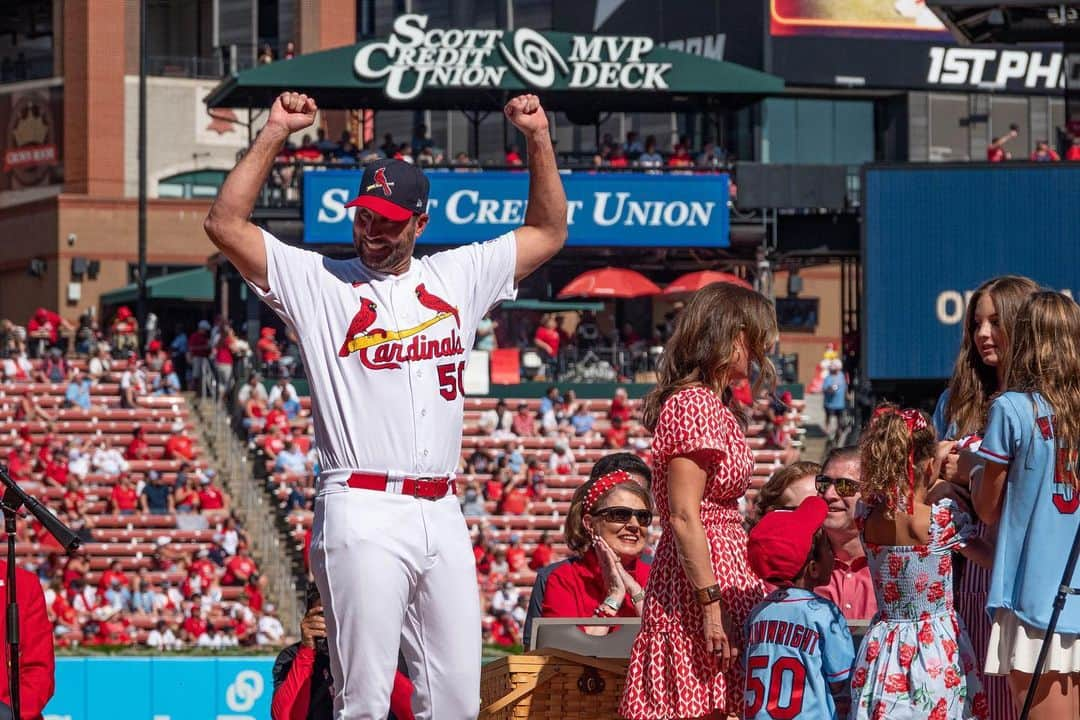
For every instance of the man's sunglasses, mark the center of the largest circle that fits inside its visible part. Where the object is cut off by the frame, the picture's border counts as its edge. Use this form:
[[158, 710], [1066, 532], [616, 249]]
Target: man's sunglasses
[[845, 487], [622, 515]]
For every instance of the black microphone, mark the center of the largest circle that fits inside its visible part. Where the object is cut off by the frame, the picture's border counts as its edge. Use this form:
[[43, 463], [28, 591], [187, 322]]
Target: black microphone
[[63, 534]]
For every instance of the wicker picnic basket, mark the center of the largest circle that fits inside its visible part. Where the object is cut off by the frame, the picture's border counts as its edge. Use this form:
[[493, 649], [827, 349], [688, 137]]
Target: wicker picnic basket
[[551, 684]]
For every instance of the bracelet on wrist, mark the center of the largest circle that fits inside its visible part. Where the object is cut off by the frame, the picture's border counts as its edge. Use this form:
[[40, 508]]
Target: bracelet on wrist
[[636, 599], [613, 603], [708, 595]]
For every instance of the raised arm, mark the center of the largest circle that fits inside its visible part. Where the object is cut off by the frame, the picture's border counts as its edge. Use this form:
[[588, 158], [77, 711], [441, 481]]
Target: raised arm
[[227, 224], [544, 231]]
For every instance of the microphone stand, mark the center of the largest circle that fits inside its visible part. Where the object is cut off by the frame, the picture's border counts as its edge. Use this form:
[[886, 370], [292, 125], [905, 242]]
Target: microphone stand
[[14, 498]]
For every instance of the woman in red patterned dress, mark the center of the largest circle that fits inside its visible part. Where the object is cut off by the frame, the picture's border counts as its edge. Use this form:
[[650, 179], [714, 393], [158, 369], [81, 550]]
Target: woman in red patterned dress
[[685, 663]]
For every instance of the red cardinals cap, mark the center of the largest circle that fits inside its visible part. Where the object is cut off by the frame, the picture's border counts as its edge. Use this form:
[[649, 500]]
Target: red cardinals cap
[[394, 189], [780, 544]]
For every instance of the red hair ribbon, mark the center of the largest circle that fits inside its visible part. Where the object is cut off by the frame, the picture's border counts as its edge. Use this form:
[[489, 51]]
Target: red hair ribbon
[[602, 485], [903, 499]]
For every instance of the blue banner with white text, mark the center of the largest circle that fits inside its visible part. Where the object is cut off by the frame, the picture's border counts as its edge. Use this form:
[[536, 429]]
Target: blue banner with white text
[[604, 209], [162, 688]]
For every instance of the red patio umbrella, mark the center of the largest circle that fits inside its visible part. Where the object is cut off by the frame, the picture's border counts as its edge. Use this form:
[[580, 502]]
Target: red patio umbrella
[[692, 282], [610, 282]]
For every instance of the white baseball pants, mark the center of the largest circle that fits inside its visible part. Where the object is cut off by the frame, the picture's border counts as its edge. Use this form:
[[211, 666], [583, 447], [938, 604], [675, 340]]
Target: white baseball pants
[[395, 571]]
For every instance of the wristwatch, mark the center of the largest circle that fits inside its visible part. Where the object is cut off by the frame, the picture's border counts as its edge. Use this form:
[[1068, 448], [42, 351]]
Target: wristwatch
[[708, 595], [636, 599]]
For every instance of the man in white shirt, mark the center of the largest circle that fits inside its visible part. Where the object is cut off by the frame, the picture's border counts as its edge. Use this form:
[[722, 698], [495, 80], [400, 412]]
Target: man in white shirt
[[270, 630], [384, 339]]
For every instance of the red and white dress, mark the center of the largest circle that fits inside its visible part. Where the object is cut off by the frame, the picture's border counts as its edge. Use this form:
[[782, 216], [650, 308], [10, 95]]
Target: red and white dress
[[671, 674]]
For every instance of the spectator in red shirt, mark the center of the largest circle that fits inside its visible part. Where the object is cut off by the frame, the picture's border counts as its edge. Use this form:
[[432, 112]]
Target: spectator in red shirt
[[996, 152], [515, 554], [505, 631], [547, 339], [616, 436], [1044, 153], [179, 446], [541, 554], [138, 448], [56, 469], [743, 393], [239, 568], [124, 500], [125, 329], [44, 326], [680, 157], [1073, 153], [267, 347], [194, 624], [20, 461], [211, 497], [199, 350], [524, 422], [115, 572], [607, 527], [617, 159], [514, 500], [36, 662], [620, 406], [277, 417], [513, 156], [186, 496], [74, 497]]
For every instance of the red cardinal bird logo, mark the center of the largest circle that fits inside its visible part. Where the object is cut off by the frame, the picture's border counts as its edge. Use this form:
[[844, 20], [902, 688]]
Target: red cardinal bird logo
[[436, 303], [360, 323], [381, 181]]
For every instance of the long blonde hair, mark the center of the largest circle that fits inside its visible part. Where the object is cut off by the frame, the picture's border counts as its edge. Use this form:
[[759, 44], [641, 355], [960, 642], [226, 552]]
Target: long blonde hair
[[703, 344], [1046, 359], [973, 382]]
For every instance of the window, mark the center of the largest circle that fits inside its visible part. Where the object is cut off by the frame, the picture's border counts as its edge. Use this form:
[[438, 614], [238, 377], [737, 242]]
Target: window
[[194, 184]]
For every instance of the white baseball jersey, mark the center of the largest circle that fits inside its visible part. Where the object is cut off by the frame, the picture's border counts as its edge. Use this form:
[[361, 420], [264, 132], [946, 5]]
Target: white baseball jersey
[[385, 354]]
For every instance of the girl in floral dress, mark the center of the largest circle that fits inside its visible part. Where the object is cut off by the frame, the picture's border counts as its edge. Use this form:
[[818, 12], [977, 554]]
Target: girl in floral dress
[[916, 660], [685, 660]]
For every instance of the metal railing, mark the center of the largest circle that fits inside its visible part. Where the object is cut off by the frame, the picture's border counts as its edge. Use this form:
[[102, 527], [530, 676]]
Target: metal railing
[[254, 506]]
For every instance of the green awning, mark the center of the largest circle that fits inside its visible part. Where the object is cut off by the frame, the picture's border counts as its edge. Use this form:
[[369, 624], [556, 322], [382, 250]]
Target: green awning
[[552, 306], [195, 285], [477, 69]]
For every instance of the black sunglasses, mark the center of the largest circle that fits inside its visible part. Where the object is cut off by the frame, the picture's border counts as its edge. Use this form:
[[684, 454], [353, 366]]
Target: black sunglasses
[[622, 515], [845, 487]]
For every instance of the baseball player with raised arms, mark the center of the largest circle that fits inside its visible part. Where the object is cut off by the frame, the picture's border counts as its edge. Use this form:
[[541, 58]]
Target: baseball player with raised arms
[[385, 338]]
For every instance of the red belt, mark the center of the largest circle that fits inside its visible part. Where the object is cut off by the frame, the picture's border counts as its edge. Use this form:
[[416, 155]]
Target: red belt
[[428, 488]]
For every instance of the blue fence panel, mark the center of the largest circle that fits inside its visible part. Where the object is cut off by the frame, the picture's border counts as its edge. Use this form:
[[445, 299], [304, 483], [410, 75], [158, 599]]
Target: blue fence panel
[[605, 210], [162, 688], [932, 235]]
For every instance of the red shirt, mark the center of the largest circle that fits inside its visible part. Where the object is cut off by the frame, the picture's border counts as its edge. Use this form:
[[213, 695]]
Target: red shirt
[[222, 354], [235, 568], [541, 557], [549, 336], [195, 625], [137, 449], [199, 344], [108, 576], [515, 558], [57, 472], [274, 444], [995, 154], [514, 502], [851, 589], [124, 498], [178, 447], [616, 437], [1073, 153], [293, 697], [45, 319], [255, 597], [36, 661], [577, 587], [211, 498], [743, 393], [205, 569], [277, 417], [268, 350], [619, 409]]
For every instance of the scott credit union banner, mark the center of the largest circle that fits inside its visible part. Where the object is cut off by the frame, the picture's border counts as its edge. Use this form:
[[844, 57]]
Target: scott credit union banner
[[603, 210]]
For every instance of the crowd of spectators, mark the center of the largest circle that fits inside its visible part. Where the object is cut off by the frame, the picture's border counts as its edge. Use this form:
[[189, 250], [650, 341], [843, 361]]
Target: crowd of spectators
[[997, 150], [196, 585]]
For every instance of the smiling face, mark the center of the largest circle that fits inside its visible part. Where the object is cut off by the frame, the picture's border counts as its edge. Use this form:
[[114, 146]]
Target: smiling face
[[841, 509], [986, 332], [385, 245], [626, 539]]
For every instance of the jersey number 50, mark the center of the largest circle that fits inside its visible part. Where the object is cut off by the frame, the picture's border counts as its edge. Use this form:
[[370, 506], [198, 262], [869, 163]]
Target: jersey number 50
[[451, 380], [776, 684]]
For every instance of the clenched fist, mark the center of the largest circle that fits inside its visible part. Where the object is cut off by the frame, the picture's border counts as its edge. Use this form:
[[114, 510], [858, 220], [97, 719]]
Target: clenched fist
[[293, 111], [525, 113]]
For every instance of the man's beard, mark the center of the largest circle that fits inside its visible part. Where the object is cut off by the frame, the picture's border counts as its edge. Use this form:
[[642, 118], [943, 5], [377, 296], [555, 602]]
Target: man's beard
[[384, 263]]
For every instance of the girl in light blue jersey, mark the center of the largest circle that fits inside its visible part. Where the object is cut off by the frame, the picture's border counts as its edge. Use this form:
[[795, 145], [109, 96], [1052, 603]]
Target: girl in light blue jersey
[[1029, 489], [978, 376]]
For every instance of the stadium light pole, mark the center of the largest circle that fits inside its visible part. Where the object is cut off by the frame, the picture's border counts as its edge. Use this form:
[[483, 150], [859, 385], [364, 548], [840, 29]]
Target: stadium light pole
[[140, 280]]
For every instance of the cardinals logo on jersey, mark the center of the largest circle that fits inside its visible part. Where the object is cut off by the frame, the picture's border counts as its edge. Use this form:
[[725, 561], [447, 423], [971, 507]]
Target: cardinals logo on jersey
[[381, 182], [387, 351]]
